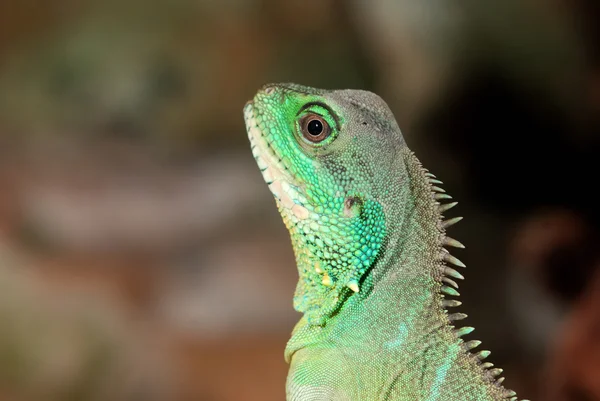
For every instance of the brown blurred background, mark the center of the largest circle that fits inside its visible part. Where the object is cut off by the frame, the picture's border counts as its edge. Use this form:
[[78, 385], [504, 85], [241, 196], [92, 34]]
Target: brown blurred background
[[141, 255]]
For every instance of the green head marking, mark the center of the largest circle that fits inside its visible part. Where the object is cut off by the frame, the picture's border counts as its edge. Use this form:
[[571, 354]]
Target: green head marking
[[326, 156]]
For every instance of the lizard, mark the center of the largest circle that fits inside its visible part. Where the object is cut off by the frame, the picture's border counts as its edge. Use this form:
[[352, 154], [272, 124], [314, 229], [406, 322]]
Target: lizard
[[377, 284]]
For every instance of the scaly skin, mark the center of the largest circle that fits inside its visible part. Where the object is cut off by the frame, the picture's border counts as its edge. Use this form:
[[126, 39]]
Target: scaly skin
[[374, 278]]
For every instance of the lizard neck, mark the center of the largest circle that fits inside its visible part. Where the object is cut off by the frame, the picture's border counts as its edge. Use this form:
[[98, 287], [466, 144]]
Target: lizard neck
[[405, 282], [414, 249], [402, 310]]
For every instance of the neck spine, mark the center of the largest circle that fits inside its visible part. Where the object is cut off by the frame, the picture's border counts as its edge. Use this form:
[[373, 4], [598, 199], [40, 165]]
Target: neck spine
[[419, 235]]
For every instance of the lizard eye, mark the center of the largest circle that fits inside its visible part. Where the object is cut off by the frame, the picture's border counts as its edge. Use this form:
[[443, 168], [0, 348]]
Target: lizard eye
[[314, 128]]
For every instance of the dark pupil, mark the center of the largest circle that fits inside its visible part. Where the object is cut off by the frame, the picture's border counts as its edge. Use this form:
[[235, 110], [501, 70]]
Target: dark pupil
[[315, 127]]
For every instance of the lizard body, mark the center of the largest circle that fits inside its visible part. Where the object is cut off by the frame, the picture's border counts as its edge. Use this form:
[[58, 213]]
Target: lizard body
[[376, 283]]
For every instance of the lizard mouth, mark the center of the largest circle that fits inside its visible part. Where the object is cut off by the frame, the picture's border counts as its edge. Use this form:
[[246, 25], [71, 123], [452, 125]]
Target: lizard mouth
[[276, 175]]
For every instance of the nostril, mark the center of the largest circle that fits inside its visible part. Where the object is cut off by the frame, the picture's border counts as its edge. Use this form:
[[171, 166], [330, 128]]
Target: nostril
[[269, 90]]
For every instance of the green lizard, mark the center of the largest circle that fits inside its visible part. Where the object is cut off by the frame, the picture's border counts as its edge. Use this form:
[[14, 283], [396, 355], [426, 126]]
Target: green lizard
[[375, 282]]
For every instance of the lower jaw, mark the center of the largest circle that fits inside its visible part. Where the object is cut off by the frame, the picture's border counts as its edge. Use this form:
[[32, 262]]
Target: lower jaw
[[272, 170]]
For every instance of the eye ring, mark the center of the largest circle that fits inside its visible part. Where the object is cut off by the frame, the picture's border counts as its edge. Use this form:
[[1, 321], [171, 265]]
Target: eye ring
[[314, 128]]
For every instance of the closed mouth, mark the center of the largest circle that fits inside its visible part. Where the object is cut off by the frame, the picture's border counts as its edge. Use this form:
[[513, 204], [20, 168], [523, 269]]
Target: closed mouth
[[274, 172]]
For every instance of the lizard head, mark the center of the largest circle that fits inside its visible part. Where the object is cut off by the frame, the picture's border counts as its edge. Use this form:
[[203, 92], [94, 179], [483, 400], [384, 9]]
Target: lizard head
[[330, 158]]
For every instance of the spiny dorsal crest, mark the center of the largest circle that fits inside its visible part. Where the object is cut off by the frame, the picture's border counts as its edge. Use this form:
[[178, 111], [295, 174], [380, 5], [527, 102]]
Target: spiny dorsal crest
[[449, 286]]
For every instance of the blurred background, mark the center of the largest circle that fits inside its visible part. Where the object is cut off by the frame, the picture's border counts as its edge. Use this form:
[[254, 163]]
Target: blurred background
[[141, 254]]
